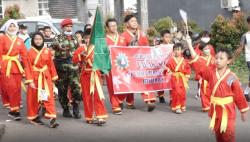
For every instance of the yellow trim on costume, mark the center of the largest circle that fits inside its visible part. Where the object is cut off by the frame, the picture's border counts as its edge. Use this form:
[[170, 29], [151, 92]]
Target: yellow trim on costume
[[50, 115], [41, 79], [28, 81], [79, 57], [12, 59], [32, 117], [175, 108], [195, 59], [6, 105], [95, 82], [13, 41], [86, 118], [23, 87], [146, 100], [178, 63], [115, 40], [116, 109], [14, 108], [244, 110], [54, 78], [207, 108], [102, 116], [183, 77], [218, 101]]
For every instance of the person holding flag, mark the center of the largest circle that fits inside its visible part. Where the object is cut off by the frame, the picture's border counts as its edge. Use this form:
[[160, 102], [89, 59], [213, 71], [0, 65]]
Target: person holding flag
[[94, 59], [209, 59], [135, 37], [226, 93]]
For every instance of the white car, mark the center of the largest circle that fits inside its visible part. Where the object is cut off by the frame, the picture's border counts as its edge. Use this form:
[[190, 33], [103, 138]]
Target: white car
[[34, 24]]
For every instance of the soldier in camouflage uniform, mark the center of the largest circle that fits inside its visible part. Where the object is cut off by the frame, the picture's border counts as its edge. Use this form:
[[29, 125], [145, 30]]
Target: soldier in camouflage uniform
[[67, 72]]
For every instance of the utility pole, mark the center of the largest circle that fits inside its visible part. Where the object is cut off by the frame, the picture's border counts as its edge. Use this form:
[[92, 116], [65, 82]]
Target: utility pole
[[118, 10], [142, 10]]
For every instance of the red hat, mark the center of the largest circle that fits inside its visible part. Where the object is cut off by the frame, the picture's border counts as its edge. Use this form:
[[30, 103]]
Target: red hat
[[66, 22]]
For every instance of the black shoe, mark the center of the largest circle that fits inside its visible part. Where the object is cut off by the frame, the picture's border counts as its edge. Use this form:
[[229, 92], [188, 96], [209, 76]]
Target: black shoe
[[76, 112], [15, 115], [66, 113], [37, 121], [130, 106], [151, 107], [162, 100], [43, 111], [121, 106], [52, 123], [247, 97]]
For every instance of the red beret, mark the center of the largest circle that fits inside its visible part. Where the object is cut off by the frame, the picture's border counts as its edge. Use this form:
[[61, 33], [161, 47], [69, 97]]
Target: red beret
[[66, 22]]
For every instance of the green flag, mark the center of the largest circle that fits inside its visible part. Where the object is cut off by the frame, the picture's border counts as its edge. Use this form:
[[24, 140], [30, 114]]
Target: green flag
[[101, 51]]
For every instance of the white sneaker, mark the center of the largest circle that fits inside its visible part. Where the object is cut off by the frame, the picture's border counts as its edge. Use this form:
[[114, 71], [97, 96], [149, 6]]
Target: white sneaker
[[178, 111]]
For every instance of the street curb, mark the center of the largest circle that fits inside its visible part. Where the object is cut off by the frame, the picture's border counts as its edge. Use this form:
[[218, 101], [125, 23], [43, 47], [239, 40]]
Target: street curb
[[2, 128]]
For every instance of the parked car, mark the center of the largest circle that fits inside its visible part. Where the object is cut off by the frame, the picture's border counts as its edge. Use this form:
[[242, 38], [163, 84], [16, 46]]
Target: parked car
[[34, 24]]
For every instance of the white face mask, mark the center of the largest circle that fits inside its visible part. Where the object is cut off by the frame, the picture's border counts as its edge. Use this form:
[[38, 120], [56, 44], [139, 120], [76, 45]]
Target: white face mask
[[68, 33], [205, 39], [206, 51], [12, 33]]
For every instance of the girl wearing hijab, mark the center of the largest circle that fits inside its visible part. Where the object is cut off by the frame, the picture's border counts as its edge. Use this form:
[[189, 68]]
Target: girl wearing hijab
[[40, 90], [12, 51]]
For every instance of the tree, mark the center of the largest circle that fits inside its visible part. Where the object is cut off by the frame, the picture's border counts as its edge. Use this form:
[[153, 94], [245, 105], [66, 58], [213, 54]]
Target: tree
[[11, 12]]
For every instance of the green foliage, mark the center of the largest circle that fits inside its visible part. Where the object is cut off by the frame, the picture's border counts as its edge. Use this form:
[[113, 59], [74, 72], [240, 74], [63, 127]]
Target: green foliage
[[192, 26], [227, 32], [163, 24], [11, 12], [240, 69]]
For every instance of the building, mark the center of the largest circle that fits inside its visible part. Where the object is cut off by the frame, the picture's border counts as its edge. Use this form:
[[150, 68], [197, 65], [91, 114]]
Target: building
[[202, 11], [77, 9]]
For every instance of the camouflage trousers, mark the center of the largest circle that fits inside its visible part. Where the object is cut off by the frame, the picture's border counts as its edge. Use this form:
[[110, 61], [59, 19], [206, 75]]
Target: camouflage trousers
[[68, 78]]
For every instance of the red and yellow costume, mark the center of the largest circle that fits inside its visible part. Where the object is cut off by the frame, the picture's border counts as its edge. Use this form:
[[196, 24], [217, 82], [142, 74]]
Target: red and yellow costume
[[114, 99], [12, 50], [205, 92], [142, 40], [43, 74], [180, 70], [226, 93], [92, 94]]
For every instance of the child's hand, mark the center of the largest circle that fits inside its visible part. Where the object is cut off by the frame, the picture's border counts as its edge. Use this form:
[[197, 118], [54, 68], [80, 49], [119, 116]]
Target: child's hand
[[32, 85], [244, 116]]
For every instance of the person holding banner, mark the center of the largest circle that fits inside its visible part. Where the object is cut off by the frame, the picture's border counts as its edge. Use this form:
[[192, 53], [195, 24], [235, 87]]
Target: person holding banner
[[40, 89], [135, 37], [180, 70], [226, 93], [12, 49], [113, 39], [166, 40], [92, 94]]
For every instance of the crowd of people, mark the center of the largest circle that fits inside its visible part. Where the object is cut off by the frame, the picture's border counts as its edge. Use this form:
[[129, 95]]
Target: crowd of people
[[62, 64]]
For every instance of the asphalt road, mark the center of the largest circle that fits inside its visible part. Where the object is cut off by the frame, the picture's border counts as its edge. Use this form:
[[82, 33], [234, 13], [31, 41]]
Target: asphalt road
[[136, 125]]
